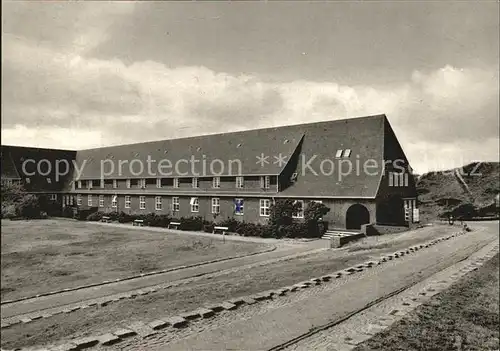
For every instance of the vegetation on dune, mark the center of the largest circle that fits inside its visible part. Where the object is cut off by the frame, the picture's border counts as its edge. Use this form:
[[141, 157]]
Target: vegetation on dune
[[441, 194]]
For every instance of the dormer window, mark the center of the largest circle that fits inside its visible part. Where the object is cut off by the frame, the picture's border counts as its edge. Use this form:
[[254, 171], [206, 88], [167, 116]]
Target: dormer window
[[338, 154], [216, 182], [239, 182], [347, 153], [265, 182]]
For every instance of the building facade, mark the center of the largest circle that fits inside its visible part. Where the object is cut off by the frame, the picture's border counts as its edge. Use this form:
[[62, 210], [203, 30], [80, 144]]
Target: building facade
[[356, 167]]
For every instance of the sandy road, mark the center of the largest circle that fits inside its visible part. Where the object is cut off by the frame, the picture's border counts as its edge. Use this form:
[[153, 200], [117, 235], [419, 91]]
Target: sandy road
[[266, 325]]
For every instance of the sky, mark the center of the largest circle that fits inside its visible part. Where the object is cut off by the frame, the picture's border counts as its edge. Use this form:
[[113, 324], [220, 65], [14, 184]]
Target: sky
[[81, 75]]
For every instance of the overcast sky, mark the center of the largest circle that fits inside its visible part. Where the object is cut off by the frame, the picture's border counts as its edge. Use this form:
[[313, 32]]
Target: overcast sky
[[80, 75]]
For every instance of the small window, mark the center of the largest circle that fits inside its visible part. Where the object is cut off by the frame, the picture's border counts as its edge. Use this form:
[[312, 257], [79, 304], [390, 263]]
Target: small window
[[127, 201], [48, 181], [175, 204], [102, 184], [195, 204], [142, 202], [347, 153], [239, 182], [89, 201], [215, 205], [238, 206], [176, 182], [338, 154], [141, 183], [158, 183], [115, 184], [158, 203], [300, 210], [89, 184], [265, 182], [195, 182], [79, 184], [79, 199], [216, 182], [101, 200], [114, 201], [128, 183], [265, 207], [71, 200], [53, 197]]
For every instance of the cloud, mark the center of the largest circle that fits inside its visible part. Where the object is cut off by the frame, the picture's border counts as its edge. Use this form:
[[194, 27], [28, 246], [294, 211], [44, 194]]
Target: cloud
[[61, 98]]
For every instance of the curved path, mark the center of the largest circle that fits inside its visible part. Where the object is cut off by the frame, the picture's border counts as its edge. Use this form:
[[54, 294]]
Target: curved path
[[264, 327]]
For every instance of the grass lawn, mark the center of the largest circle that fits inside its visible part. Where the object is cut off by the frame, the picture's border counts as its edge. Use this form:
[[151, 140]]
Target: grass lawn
[[193, 295], [46, 255], [465, 317]]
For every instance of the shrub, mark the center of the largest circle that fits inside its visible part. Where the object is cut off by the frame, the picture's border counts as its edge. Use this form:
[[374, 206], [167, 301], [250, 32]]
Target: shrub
[[191, 223], [94, 217], [28, 207], [8, 210], [123, 217], [67, 212]]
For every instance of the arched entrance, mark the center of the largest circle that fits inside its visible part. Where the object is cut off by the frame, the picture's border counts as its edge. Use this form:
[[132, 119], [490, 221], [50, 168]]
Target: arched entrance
[[357, 215]]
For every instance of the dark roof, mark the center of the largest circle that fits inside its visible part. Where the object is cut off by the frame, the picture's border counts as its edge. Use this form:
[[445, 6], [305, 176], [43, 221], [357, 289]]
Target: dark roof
[[9, 170], [363, 135]]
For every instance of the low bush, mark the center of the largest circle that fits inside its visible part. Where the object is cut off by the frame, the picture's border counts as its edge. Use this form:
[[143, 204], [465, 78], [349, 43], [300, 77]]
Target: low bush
[[28, 207], [191, 223], [94, 217], [231, 224], [8, 210]]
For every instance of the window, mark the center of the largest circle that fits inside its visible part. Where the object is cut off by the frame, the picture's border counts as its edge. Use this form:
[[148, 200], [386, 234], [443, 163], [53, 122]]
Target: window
[[71, 200], [128, 183], [158, 203], [195, 182], [175, 204], [142, 202], [215, 205], [28, 180], [347, 153], [265, 207], [79, 199], [49, 181], [89, 184], [53, 197], [141, 183], [115, 184], [216, 182], [238, 206], [338, 154], [89, 200], [239, 182], [300, 210], [158, 183], [114, 201], [176, 182], [127, 201], [101, 200], [265, 182], [79, 184], [102, 183], [195, 204]]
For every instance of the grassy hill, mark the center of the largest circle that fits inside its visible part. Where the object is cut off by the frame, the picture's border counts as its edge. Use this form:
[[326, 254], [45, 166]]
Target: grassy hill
[[442, 192]]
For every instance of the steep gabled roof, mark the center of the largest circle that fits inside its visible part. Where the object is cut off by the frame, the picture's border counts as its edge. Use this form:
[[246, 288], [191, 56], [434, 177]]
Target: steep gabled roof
[[328, 176]]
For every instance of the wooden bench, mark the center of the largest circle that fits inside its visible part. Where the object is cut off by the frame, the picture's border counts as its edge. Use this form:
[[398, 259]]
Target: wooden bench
[[223, 229], [105, 219], [175, 225], [139, 222]]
